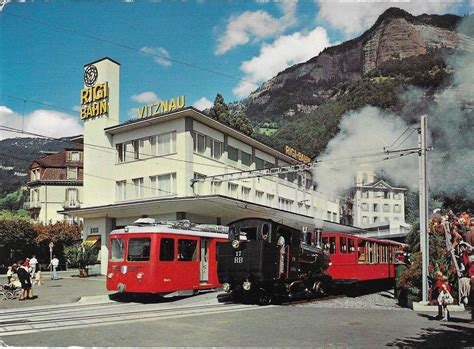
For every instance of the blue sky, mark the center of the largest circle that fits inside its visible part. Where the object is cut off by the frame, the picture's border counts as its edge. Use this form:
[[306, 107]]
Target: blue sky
[[251, 40]]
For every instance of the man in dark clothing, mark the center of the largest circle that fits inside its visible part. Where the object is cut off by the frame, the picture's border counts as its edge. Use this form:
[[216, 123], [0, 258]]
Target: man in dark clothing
[[25, 280]]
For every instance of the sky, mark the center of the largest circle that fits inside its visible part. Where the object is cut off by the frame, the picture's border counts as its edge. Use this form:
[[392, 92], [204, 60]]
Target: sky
[[233, 46]]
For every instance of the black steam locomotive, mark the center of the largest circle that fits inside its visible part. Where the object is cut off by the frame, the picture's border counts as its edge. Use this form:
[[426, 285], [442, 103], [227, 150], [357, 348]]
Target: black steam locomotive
[[265, 262]]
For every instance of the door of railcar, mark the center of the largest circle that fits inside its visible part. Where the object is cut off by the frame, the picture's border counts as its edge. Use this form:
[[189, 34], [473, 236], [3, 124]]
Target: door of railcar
[[204, 259]]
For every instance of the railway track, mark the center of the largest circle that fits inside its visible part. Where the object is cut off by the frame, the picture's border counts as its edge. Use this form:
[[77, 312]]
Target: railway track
[[80, 315]]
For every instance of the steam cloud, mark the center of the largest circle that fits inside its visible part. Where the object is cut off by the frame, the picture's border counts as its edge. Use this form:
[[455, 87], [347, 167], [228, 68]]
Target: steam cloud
[[450, 132]]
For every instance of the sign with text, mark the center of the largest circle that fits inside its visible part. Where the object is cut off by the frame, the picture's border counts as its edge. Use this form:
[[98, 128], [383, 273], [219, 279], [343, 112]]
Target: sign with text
[[297, 155], [161, 107]]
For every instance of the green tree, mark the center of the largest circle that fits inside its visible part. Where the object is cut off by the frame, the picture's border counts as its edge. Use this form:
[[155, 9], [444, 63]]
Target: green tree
[[17, 240], [220, 110], [241, 122]]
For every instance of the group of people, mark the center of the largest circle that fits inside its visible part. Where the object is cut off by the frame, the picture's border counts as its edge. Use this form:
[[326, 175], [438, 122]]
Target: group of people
[[461, 232], [26, 273]]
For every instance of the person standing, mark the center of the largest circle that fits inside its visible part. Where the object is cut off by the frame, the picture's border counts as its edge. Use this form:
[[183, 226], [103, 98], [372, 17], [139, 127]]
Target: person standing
[[9, 274], [25, 280], [33, 265], [55, 264]]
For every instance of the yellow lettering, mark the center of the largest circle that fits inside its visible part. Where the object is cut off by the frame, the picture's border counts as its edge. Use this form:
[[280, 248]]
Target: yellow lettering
[[141, 112], [181, 102], [157, 107], [164, 106], [172, 104], [106, 89], [84, 96], [83, 113], [103, 107]]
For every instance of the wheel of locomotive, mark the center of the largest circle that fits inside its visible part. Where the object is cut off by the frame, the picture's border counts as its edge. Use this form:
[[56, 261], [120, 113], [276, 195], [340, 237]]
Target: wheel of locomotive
[[264, 298]]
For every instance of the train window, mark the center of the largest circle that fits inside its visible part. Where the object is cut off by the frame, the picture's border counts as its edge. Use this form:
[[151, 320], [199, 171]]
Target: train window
[[332, 245], [138, 250], [166, 249], [187, 250], [343, 245], [326, 245], [117, 249], [250, 233], [362, 251], [351, 245]]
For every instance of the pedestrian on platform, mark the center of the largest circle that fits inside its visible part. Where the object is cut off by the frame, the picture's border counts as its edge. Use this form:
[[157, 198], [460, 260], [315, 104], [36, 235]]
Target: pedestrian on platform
[[9, 274], [25, 280], [33, 266], [444, 299], [55, 264]]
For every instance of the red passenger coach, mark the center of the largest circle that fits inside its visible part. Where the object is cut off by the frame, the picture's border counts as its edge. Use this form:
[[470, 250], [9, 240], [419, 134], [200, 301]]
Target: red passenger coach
[[357, 260], [163, 258]]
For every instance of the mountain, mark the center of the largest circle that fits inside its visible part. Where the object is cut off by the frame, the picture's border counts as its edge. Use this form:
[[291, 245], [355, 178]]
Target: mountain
[[16, 155], [396, 35]]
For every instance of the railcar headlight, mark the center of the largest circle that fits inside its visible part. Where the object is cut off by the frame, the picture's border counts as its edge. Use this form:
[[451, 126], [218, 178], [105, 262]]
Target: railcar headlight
[[226, 287], [235, 244], [110, 275], [246, 285], [140, 276]]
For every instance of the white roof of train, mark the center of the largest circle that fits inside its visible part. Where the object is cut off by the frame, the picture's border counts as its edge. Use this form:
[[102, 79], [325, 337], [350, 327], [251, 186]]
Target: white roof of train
[[164, 229]]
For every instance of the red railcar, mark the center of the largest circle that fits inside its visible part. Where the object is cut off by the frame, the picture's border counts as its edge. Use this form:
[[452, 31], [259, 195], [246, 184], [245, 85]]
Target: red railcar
[[163, 258], [357, 260]]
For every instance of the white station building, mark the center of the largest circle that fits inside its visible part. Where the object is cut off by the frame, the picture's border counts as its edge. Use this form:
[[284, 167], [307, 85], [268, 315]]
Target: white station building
[[145, 167]]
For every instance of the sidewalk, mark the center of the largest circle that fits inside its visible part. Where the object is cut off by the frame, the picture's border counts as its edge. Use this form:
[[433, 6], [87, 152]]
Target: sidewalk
[[68, 289]]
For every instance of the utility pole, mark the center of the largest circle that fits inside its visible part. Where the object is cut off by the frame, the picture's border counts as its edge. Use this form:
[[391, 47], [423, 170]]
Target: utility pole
[[423, 193]]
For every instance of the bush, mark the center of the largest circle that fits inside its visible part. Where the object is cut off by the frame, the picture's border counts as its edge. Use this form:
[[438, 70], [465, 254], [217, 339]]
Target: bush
[[80, 255]]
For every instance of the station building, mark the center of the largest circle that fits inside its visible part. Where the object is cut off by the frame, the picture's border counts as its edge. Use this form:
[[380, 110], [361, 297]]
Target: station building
[[145, 167]]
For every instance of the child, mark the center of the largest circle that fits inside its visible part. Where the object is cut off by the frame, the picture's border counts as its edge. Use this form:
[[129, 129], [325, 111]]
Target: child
[[37, 280], [444, 299], [9, 274]]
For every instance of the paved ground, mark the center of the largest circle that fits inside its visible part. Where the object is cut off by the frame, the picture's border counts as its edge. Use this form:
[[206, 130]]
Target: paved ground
[[368, 321], [68, 289]]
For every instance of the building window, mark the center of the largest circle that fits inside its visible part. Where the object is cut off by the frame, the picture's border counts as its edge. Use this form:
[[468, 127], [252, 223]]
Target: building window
[[216, 187], [270, 198], [396, 208], [35, 174], [166, 143], [386, 219], [334, 217], [365, 194], [246, 158], [72, 197], [376, 207], [386, 195], [72, 173], [365, 219], [397, 196], [232, 153], [121, 190], [216, 149], [199, 143], [386, 207], [259, 164], [137, 188], [74, 156], [120, 152], [259, 196], [136, 149], [245, 193], [364, 206], [285, 204], [163, 185], [328, 215], [376, 219], [232, 188]]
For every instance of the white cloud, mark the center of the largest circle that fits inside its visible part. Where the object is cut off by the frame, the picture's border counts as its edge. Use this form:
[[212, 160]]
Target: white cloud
[[255, 24], [354, 17], [49, 123], [145, 97], [282, 53], [202, 103], [161, 55]]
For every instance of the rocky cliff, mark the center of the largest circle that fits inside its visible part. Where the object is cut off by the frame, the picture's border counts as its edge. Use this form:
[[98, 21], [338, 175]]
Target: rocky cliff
[[396, 35]]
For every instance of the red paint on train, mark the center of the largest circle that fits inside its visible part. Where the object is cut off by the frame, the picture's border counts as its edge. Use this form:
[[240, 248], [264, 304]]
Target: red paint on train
[[159, 259]]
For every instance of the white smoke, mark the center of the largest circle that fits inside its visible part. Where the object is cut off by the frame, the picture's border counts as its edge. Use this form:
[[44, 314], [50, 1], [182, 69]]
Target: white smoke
[[450, 132]]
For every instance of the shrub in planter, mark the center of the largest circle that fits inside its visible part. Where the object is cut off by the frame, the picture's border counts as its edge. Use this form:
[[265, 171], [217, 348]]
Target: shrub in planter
[[80, 256]]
